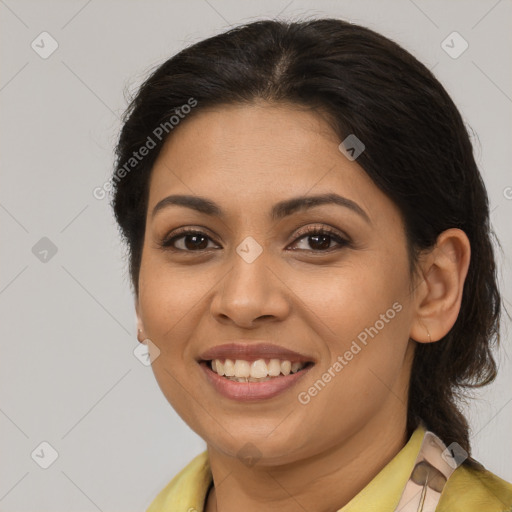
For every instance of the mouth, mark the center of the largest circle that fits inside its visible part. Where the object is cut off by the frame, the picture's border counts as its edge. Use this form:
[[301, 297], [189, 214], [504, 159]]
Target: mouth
[[259, 370], [246, 372]]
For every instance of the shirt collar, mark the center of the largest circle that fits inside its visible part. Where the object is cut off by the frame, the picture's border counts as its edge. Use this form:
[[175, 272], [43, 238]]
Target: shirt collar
[[383, 492]]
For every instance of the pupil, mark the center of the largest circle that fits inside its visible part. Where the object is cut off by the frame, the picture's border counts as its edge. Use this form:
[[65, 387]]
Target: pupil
[[322, 245], [195, 245]]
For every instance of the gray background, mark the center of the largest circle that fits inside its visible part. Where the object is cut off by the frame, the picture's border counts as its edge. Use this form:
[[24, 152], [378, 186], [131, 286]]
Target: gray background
[[68, 373]]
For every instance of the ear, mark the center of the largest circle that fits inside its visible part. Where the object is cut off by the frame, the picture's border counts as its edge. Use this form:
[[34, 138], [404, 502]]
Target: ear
[[438, 295], [140, 326]]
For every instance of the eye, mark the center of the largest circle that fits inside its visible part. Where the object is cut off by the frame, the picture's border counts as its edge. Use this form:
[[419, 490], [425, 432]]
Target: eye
[[191, 240], [321, 238]]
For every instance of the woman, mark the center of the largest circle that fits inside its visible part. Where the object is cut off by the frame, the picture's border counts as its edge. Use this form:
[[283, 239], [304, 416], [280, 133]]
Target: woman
[[311, 259]]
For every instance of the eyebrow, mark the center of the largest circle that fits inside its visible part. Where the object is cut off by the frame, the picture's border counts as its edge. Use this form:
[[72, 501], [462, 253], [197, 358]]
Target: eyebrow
[[278, 211]]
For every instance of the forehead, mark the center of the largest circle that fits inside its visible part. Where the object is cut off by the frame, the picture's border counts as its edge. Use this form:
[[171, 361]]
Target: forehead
[[255, 155], [260, 135]]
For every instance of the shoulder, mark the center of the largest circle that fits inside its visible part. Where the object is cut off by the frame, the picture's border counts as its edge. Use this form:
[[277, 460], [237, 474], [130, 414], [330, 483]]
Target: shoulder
[[470, 489], [187, 489]]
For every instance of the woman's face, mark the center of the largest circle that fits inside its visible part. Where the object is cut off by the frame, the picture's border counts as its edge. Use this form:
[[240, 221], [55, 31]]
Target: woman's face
[[342, 301]]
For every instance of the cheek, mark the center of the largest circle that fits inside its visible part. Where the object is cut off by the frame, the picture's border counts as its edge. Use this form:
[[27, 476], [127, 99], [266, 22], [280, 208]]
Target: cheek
[[170, 307], [170, 304], [364, 293], [362, 318]]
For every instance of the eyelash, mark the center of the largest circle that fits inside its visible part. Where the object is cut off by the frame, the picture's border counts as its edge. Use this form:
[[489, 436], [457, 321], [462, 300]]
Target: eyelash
[[167, 242]]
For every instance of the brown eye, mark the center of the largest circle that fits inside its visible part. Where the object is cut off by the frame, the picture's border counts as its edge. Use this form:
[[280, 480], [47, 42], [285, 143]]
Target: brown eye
[[320, 239], [189, 241]]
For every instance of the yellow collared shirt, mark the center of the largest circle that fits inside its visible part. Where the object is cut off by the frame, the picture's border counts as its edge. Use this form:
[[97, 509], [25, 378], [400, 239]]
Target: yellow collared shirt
[[467, 490]]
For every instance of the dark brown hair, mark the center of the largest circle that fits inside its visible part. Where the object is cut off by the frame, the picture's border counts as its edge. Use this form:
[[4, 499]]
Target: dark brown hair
[[418, 153]]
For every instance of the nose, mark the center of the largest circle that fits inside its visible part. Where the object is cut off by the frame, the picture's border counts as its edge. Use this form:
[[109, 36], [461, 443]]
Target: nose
[[251, 293]]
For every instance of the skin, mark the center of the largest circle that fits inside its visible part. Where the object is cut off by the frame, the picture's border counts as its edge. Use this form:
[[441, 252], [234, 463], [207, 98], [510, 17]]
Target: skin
[[312, 300]]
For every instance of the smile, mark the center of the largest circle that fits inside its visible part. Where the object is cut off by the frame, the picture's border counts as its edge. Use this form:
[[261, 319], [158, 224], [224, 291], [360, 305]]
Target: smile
[[242, 386], [260, 370]]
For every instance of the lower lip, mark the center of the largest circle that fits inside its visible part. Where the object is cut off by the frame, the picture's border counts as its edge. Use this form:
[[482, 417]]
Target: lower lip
[[250, 391]]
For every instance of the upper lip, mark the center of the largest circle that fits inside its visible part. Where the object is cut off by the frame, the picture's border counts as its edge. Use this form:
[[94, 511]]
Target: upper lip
[[253, 351]]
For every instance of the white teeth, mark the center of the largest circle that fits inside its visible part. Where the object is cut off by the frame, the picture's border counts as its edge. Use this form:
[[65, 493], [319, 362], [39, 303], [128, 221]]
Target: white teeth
[[274, 367], [229, 368], [255, 371], [242, 368], [259, 369]]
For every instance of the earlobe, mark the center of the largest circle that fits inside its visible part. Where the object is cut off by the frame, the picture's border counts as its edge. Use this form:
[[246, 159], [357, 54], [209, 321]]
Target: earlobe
[[140, 327], [439, 296]]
